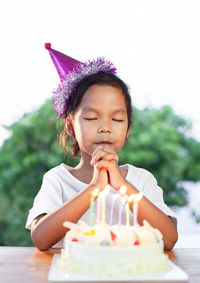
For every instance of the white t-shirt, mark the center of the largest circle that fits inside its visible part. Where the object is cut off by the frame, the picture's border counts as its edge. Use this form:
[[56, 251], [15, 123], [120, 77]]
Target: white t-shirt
[[59, 185]]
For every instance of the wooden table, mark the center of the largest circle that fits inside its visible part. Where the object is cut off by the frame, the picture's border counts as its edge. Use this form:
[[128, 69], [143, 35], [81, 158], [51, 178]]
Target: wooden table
[[27, 264]]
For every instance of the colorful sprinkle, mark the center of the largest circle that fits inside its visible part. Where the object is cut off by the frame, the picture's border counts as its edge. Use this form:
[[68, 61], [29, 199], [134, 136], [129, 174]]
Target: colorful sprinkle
[[90, 233], [113, 236]]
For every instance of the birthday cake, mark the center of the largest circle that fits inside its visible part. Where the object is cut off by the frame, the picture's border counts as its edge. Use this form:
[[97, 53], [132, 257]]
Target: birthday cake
[[117, 250]]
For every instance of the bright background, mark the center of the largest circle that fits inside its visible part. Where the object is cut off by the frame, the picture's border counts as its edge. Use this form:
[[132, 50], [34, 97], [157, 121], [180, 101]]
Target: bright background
[[155, 45]]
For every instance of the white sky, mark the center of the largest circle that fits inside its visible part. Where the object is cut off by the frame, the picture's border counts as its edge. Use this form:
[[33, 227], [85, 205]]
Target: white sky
[[154, 44]]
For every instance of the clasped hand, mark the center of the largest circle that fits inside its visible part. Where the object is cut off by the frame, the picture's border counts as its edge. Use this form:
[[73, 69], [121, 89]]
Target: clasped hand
[[106, 169]]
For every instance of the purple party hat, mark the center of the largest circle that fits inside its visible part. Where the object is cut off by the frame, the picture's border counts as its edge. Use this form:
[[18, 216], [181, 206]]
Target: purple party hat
[[63, 63], [71, 73]]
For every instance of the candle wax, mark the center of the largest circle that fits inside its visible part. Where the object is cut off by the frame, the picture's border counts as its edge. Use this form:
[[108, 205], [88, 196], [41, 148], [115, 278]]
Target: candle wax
[[91, 211]]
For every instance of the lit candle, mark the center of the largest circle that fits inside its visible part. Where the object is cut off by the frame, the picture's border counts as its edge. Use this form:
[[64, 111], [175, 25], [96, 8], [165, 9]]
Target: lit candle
[[120, 215], [127, 212], [135, 198], [103, 208], [98, 209], [135, 212], [103, 195], [116, 196], [122, 191], [94, 194], [124, 202]]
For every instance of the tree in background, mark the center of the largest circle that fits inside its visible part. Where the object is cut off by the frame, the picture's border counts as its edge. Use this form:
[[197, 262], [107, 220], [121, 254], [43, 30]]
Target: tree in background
[[159, 141]]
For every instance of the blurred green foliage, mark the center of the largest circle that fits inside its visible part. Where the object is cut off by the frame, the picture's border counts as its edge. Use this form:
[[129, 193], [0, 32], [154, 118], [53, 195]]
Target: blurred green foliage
[[159, 141]]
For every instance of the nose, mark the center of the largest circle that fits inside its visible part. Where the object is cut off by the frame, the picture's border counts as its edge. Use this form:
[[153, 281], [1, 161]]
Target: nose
[[104, 127]]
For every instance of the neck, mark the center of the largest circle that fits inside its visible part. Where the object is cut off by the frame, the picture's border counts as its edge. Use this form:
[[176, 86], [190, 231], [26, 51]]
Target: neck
[[84, 164]]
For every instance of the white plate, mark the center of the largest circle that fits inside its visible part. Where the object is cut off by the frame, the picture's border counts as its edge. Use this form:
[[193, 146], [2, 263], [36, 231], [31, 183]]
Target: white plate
[[56, 273]]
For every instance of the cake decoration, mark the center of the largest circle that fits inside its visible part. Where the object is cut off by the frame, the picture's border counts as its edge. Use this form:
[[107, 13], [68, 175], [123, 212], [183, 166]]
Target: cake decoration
[[113, 250]]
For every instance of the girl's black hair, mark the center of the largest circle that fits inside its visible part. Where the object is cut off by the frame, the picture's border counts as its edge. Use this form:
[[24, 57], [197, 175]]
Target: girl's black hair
[[100, 78]]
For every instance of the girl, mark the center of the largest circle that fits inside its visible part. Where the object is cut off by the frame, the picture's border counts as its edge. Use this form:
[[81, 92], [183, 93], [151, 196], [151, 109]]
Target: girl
[[97, 112]]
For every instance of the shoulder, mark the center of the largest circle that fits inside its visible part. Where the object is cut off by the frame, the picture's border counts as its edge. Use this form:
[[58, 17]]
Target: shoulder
[[59, 173], [133, 170], [140, 177], [59, 169]]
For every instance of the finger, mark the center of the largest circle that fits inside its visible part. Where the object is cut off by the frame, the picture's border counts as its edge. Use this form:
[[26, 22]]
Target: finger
[[102, 148], [110, 157], [104, 154], [98, 148], [98, 156], [105, 164]]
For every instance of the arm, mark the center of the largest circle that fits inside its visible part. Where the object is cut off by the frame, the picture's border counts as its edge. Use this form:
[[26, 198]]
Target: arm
[[48, 229], [107, 159], [156, 218]]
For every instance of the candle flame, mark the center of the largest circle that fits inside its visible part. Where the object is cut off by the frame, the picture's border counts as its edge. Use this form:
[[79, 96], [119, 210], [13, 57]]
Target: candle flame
[[95, 192], [123, 190], [135, 197]]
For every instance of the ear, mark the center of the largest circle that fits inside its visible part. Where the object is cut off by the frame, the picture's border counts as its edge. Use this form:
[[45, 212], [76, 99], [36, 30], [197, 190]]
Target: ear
[[69, 127]]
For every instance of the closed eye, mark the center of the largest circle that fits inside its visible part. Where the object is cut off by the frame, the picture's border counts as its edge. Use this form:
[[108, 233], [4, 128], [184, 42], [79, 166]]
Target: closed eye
[[90, 119], [117, 120]]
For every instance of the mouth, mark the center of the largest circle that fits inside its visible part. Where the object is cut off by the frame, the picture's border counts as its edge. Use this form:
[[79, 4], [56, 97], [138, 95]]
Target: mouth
[[103, 143]]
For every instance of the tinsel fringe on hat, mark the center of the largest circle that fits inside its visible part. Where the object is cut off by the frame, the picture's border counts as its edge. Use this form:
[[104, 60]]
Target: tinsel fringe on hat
[[62, 94]]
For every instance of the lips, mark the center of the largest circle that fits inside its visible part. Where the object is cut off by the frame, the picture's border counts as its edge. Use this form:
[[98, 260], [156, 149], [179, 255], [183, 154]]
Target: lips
[[104, 143]]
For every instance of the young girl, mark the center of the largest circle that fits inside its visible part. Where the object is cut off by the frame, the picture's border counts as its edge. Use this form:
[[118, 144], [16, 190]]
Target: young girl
[[96, 106]]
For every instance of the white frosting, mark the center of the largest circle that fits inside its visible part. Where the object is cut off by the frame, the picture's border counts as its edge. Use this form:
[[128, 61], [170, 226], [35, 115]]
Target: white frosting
[[125, 235], [96, 252]]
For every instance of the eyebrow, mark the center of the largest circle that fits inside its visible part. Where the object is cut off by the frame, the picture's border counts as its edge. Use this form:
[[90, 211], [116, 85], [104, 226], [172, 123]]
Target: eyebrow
[[88, 109]]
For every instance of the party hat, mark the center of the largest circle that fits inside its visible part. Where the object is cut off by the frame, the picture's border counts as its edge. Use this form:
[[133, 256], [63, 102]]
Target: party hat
[[71, 73], [63, 63]]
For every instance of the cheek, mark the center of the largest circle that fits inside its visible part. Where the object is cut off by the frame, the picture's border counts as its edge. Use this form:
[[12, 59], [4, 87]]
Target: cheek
[[124, 134], [121, 129], [77, 126], [82, 131]]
